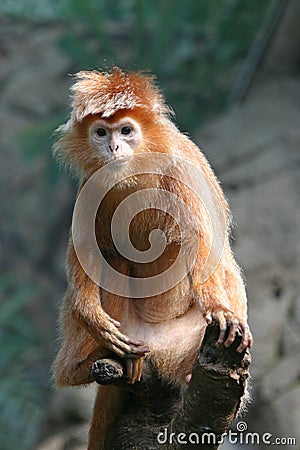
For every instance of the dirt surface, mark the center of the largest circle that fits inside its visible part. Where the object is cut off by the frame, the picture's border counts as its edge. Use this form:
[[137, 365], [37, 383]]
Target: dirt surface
[[255, 150]]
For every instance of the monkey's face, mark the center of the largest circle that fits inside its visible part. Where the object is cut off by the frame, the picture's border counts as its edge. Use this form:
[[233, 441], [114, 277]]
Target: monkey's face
[[113, 140]]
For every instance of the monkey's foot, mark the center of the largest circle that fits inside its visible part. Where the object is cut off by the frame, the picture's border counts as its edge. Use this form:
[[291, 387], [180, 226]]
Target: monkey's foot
[[230, 326], [105, 372], [134, 369], [113, 371]]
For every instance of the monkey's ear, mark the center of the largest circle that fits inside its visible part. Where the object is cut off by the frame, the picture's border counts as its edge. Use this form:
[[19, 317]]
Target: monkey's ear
[[60, 133], [65, 148], [64, 128], [157, 108], [161, 109]]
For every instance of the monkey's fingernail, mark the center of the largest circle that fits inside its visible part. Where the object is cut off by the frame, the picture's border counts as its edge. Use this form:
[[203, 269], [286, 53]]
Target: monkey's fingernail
[[139, 350], [241, 347], [188, 378], [145, 349], [137, 343], [228, 342]]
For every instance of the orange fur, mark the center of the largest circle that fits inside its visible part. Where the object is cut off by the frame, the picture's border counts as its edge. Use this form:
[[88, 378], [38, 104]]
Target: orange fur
[[173, 323]]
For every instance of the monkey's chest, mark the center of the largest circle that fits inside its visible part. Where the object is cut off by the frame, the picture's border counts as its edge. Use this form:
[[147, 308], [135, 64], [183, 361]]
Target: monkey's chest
[[146, 244], [146, 249]]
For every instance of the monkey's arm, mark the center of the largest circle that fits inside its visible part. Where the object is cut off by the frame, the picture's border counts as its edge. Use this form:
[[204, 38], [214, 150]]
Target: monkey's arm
[[85, 305], [221, 296]]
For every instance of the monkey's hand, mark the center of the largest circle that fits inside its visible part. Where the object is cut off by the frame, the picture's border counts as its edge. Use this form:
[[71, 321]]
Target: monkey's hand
[[105, 330], [132, 351], [121, 344], [227, 320]]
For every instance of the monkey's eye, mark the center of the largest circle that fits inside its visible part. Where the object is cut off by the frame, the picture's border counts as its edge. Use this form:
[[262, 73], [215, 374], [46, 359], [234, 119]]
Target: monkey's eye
[[101, 132], [126, 130]]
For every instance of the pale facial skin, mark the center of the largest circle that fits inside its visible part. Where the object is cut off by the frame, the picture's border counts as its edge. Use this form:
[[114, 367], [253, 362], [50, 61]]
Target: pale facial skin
[[112, 141]]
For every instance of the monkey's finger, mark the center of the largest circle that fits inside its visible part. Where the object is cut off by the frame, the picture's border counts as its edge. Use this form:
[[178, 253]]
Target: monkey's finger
[[188, 378], [233, 328], [244, 342], [136, 343], [223, 327], [132, 352], [208, 318], [129, 370], [123, 338], [140, 350], [247, 339], [133, 344], [108, 321], [250, 342], [118, 351], [115, 335], [125, 350], [116, 323], [141, 363], [119, 347], [122, 342], [137, 368]]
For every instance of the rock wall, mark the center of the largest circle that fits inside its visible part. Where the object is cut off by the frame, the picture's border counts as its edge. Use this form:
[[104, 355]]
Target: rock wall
[[255, 150]]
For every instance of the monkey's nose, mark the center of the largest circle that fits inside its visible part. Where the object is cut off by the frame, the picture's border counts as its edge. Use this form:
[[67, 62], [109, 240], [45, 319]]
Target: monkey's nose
[[113, 148]]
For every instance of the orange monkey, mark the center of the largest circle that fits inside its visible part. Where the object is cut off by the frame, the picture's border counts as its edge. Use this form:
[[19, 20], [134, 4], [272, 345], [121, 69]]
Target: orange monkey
[[119, 118]]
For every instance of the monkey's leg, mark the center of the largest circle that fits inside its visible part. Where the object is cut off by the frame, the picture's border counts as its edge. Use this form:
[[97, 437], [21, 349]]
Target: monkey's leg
[[108, 404], [75, 358], [133, 372]]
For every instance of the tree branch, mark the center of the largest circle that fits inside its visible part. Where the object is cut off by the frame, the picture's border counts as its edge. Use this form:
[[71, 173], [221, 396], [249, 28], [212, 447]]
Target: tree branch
[[158, 416]]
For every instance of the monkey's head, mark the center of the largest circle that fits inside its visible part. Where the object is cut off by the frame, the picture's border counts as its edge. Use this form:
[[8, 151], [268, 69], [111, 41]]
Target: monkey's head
[[114, 115], [112, 139]]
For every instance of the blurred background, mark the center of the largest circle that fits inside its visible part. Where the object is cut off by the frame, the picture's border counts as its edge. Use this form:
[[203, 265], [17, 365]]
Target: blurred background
[[230, 69]]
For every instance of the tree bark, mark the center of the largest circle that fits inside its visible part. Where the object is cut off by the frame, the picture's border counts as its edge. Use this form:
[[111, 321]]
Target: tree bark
[[157, 415]]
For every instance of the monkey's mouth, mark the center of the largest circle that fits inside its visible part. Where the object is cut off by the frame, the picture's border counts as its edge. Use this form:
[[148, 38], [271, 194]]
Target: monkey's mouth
[[118, 162]]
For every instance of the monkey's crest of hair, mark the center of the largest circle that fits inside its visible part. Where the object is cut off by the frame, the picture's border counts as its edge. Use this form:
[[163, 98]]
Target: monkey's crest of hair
[[105, 93]]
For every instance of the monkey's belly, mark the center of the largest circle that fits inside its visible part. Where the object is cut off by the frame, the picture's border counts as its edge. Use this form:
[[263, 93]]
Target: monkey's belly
[[174, 344], [166, 306]]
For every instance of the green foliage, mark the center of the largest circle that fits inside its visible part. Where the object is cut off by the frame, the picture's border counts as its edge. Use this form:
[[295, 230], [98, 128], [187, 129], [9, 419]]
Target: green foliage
[[193, 46], [31, 139], [21, 393]]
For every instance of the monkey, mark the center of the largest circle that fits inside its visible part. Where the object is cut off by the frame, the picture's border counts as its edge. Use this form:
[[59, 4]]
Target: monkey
[[118, 118]]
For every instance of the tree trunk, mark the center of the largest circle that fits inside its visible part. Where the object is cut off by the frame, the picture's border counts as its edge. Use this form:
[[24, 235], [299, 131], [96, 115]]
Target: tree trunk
[[157, 415]]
